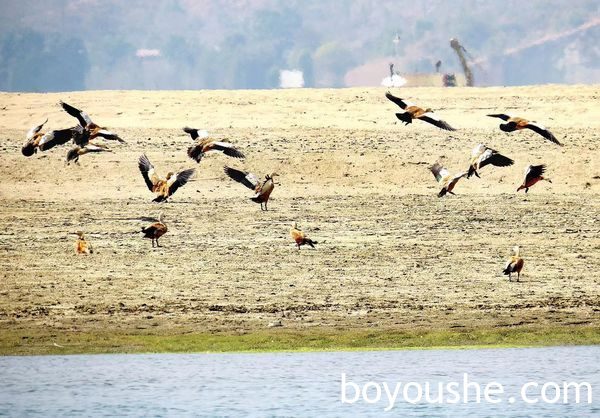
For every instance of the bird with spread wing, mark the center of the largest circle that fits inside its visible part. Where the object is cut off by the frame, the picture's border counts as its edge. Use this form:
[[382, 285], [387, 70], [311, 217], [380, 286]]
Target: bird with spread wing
[[163, 188], [262, 189], [517, 124], [412, 111], [88, 130], [482, 156], [442, 175], [205, 145]]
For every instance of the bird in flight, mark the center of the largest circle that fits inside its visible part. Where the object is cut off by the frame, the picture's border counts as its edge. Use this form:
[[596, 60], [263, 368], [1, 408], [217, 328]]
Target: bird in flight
[[77, 151], [88, 130], [205, 145], [262, 189], [445, 179], [517, 124], [164, 188], [533, 174], [412, 111], [35, 139], [482, 156]]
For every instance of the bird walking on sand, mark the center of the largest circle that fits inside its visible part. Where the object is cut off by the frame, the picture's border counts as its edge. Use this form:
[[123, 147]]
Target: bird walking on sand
[[81, 245], [300, 237], [533, 174], [514, 265], [517, 124], [155, 230], [262, 189], [88, 129], [411, 111], [442, 175], [482, 156], [164, 188], [75, 152], [206, 145]]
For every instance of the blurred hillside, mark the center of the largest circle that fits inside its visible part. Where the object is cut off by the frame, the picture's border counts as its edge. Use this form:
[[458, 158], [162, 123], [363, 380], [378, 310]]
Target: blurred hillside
[[58, 45]]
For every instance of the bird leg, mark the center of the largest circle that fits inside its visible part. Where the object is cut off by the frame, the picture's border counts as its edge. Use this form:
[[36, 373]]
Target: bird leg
[[509, 278], [266, 206], [518, 275], [526, 189], [452, 193], [157, 244], [152, 242]]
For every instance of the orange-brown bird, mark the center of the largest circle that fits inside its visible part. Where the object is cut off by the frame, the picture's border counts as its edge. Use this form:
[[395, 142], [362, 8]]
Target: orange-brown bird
[[206, 145], [81, 245], [300, 237], [262, 189], [77, 151], [514, 265], [533, 174], [164, 188], [36, 139], [516, 124], [412, 111], [445, 179], [482, 156], [156, 230], [88, 130]]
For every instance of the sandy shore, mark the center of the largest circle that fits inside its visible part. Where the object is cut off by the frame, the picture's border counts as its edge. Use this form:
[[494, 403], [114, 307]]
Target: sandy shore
[[392, 255]]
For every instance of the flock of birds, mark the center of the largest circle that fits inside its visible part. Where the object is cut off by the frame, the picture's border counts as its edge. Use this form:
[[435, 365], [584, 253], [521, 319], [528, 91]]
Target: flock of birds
[[86, 131]]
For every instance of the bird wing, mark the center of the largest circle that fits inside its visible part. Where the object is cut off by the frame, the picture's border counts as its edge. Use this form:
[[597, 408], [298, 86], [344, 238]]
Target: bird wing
[[439, 171], [458, 177], [434, 120], [35, 130], [96, 148], [195, 152], [83, 118], [494, 158], [195, 133], [534, 171], [500, 115], [147, 170], [103, 133], [179, 179], [227, 149], [543, 132], [400, 102], [56, 137], [247, 179]]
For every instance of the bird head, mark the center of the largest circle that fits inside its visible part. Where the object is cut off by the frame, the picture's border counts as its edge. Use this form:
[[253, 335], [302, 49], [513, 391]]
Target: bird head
[[72, 155], [169, 175], [516, 250], [79, 234], [428, 110]]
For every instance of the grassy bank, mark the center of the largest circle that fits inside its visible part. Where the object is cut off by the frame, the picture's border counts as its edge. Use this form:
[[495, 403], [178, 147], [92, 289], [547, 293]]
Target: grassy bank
[[40, 342]]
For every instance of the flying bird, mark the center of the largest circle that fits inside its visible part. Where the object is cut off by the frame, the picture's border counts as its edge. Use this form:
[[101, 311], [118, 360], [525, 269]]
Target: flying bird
[[81, 245], [262, 189], [516, 124], [199, 149], [482, 156], [514, 265], [35, 139], [533, 174], [196, 133], [300, 237], [164, 188], [414, 112], [75, 152], [156, 230], [89, 130], [445, 179]]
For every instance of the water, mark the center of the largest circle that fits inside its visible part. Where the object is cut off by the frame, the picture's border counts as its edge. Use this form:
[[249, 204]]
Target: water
[[295, 384]]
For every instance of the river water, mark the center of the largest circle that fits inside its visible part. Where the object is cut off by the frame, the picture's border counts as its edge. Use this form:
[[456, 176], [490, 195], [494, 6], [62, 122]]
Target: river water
[[329, 384]]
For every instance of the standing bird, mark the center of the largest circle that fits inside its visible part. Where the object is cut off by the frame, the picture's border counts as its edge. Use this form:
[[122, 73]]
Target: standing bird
[[155, 230], [415, 112], [300, 237], [445, 179], [533, 174], [516, 124], [262, 189], [197, 151], [75, 152], [81, 245], [89, 130], [482, 156], [514, 265], [164, 188]]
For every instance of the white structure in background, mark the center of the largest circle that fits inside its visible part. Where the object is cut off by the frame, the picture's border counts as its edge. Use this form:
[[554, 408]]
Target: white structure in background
[[393, 81], [147, 53], [289, 79]]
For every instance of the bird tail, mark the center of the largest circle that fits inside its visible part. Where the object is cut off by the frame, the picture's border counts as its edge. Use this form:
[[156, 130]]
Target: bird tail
[[310, 242], [506, 271], [159, 199], [442, 192], [404, 117]]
